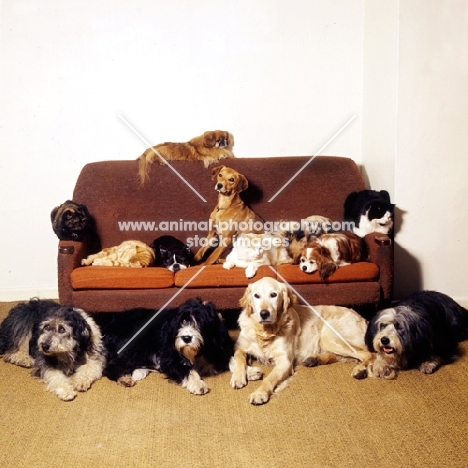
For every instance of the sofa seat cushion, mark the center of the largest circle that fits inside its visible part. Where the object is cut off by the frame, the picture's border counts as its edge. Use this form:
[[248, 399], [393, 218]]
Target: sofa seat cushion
[[356, 272], [215, 276], [103, 277]]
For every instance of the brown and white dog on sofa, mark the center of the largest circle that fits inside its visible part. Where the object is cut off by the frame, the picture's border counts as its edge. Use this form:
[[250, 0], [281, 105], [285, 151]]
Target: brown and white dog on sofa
[[276, 331], [231, 215], [329, 252]]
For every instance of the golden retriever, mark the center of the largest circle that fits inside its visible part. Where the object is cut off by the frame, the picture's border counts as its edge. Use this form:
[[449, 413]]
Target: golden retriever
[[278, 332], [209, 147], [230, 216], [130, 253]]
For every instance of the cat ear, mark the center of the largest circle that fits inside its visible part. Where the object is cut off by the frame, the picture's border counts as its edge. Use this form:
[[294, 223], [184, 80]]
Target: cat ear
[[385, 195]]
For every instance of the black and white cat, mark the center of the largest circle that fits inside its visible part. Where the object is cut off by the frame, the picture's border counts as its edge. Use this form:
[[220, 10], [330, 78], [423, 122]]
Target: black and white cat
[[370, 211]]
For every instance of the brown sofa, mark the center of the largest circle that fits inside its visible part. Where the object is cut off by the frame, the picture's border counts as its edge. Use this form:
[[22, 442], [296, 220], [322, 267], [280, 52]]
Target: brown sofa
[[174, 201]]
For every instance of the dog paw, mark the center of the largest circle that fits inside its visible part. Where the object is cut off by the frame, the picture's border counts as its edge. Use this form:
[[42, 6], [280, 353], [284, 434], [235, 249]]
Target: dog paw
[[228, 265], [19, 359], [195, 384], [254, 373], [238, 381], [198, 389], [65, 393], [259, 397], [311, 362], [140, 374], [359, 372], [383, 372], [82, 384], [250, 271], [126, 381], [428, 367]]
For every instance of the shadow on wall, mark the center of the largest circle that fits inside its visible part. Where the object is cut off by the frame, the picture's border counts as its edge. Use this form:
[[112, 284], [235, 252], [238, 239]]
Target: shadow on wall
[[407, 268]]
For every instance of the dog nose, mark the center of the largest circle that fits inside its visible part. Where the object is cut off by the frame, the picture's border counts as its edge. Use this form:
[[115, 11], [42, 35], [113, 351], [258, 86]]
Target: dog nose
[[385, 340], [186, 339], [175, 267], [219, 186], [45, 346], [264, 314], [304, 267]]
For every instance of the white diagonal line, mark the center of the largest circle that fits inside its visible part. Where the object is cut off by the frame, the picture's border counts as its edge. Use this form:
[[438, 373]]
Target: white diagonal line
[[166, 162], [312, 158], [160, 310], [315, 311]]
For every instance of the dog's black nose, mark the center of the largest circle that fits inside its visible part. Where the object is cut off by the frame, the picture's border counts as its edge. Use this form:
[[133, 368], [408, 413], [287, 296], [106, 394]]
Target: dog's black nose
[[385, 340], [186, 339], [175, 267], [304, 267], [264, 314], [219, 186], [45, 346]]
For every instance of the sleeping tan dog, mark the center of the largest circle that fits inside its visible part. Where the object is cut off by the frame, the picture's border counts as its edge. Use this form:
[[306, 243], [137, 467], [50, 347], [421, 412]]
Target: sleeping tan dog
[[230, 216], [278, 332], [209, 147]]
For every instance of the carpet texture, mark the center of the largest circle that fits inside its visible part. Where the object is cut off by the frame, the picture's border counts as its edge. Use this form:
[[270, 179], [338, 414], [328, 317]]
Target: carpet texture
[[323, 418]]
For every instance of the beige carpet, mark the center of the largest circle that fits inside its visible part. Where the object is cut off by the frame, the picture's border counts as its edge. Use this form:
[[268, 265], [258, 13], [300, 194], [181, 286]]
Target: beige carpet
[[324, 418]]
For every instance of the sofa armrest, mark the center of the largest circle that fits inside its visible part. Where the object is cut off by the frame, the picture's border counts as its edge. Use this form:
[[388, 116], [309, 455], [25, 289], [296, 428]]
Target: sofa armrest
[[70, 254], [380, 250]]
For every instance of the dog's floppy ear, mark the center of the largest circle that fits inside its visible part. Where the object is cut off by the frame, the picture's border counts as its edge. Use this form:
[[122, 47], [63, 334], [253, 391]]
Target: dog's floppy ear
[[81, 329], [242, 183], [326, 267], [289, 298], [245, 301], [209, 139], [371, 331], [215, 171]]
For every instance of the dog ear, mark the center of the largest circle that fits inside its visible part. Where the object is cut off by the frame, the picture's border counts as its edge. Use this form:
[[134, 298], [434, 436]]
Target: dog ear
[[326, 267], [288, 297], [245, 301], [371, 331], [81, 330], [242, 183], [215, 171], [209, 139]]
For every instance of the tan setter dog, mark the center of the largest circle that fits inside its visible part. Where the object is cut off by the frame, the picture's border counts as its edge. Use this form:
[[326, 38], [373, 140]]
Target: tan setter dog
[[230, 216]]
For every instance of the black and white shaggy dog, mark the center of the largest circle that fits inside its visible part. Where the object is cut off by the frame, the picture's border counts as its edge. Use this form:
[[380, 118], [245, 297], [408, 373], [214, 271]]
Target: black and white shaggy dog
[[63, 345], [421, 332], [184, 343]]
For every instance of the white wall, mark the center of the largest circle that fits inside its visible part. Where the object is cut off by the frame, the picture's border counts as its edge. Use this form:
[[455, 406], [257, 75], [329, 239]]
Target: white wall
[[282, 76], [415, 135]]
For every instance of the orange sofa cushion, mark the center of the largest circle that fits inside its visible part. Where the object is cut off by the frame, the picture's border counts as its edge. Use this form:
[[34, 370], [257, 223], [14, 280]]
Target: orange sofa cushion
[[211, 276], [214, 276], [362, 271], [103, 277]]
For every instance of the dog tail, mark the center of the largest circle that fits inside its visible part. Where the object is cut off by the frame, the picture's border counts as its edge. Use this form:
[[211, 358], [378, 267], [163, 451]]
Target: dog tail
[[143, 176]]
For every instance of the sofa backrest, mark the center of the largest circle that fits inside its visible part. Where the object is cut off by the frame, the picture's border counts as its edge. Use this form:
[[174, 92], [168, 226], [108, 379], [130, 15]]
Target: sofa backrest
[[111, 191]]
